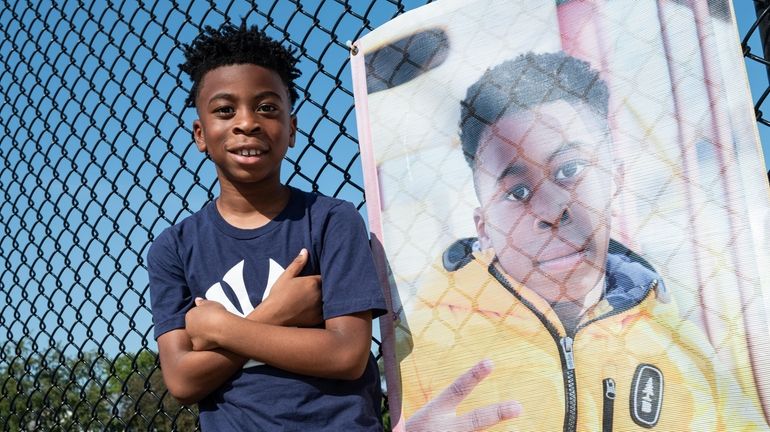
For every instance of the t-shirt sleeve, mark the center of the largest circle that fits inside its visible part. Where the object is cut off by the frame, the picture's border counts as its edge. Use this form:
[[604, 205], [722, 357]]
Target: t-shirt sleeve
[[348, 277], [170, 296]]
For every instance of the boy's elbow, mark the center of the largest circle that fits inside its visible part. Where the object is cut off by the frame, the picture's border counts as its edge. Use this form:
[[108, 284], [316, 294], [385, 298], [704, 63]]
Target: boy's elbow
[[352, 366], [351, 373], [185, 397], [183, 393], [352, 346]]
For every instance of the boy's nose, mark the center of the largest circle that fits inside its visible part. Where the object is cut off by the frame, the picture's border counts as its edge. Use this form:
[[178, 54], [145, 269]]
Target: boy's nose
[[247, 122], [563, 219], [551, 206]]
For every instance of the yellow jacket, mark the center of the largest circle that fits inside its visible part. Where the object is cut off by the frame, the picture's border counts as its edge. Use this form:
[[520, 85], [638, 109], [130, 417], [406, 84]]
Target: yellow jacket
[[632, 364]]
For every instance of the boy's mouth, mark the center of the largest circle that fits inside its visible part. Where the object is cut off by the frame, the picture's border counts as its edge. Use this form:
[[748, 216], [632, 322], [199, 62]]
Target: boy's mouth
[[250, 152], [561, 260]]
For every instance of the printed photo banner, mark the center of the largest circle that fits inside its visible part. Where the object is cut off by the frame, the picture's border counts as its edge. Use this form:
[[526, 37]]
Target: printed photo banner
[[570, 211]]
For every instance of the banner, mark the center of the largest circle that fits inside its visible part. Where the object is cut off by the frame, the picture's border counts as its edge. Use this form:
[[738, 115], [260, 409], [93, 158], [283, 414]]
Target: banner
[[570, 211]]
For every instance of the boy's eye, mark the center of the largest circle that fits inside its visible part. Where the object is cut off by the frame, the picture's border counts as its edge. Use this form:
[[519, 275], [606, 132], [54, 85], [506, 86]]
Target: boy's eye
[[267, 108], [225, 110], [519, 192], [570, 169]]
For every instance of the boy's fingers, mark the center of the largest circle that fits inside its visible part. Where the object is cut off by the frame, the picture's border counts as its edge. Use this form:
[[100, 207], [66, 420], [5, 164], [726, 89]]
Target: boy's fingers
[[297, 265], [489, 416], [463, 385], [198, 301], [314, 278]]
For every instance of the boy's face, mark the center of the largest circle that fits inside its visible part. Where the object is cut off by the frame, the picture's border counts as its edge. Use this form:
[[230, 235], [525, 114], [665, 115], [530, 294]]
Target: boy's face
[[544, 179], [245, 123]]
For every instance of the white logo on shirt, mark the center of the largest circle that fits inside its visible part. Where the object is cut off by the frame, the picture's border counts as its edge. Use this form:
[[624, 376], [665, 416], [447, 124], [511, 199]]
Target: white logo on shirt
[[234, 278]]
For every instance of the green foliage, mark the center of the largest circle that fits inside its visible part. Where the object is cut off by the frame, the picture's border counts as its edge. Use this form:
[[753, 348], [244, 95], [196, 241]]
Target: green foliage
[[48, 389], [145, 404], [385, 415], [44, 389]]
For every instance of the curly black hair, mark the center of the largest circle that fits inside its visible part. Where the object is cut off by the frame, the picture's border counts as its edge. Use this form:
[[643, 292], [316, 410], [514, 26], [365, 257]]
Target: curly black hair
[[231, 45], [523, 83]]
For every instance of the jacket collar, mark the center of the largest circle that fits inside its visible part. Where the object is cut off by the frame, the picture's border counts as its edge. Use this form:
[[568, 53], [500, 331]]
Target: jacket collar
[[628, 281], [629, 278]]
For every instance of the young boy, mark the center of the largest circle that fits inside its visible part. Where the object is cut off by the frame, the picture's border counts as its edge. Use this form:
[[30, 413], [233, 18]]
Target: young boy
[[544, 322], [232, 251]]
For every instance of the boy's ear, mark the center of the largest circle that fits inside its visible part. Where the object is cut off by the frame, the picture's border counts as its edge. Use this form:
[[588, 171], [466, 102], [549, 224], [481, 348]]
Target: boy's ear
[[200, 141], [481, 228], [293, 136]]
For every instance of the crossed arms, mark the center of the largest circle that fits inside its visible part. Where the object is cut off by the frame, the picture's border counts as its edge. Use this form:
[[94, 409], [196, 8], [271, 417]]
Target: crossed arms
[[215, 343]]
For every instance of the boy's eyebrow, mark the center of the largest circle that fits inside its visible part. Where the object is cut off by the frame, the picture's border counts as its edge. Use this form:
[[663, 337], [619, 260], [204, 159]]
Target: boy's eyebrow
[[230, 96], [563, 148], [512, 169], [515, 169]]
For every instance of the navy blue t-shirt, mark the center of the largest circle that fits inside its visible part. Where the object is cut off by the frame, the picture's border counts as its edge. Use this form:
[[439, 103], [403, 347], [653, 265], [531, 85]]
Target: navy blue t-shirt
[[204, 256]]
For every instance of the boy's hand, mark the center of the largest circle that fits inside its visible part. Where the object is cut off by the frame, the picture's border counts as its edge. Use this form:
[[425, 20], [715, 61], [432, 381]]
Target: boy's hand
[[440, 414], [294, 301], [203, 322]]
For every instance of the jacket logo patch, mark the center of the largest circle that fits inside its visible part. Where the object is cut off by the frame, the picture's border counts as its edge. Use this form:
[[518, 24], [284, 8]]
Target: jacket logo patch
[[646, 395]]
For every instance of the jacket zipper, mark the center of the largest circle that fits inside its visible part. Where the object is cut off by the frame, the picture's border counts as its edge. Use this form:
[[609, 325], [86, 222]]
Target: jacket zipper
[[609, 404], [565, 347], [570, 394]]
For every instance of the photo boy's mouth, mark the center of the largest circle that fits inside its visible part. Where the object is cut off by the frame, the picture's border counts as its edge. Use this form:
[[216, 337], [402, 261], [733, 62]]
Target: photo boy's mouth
[[561, 259]]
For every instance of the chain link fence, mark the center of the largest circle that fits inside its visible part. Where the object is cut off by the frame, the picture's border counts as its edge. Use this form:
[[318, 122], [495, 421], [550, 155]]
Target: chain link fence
[[97, 159]]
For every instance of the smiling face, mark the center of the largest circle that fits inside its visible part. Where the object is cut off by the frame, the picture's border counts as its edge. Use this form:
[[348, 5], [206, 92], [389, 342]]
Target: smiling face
[[544, 179], [245, 124]]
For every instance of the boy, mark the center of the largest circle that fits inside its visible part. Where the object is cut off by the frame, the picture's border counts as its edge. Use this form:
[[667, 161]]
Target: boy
[[234, 249], [544, 322]]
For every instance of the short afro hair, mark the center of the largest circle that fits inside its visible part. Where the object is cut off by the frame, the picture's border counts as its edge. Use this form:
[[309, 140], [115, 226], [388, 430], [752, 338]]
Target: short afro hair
[[523, 83], [231, 45]]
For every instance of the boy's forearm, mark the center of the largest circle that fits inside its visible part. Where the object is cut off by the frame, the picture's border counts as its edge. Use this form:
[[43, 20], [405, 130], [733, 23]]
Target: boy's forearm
[[195, 374], [206, 371], [191, 375], [338, 351]]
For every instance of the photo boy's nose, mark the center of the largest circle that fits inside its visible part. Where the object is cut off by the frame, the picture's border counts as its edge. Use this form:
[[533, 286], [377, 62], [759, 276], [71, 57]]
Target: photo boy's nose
[[550, 205], [565, 217]]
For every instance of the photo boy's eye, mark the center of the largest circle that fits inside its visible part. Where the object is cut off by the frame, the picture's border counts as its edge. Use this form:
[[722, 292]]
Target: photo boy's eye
[[266, 108], [519, 192], [224, 110], [570, 169]]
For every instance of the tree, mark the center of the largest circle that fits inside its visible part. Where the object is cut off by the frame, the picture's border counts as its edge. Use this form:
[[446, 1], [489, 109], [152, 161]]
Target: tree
[[86, 391], [47, 391], [144, 401]]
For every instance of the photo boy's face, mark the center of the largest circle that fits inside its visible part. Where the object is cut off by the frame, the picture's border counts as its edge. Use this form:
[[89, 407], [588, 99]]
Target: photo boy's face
[[544, 180]]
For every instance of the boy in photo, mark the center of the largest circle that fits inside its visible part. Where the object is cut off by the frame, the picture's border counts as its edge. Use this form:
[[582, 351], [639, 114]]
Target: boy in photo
[[544, 322]]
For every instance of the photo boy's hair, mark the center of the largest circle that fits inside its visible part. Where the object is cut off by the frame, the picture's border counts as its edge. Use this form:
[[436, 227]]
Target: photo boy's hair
[[523, 83], [230, 45]]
